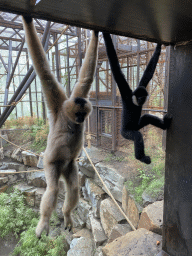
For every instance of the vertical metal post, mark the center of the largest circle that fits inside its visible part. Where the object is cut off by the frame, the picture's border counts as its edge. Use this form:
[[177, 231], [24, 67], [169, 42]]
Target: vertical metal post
[[57, 59], [138, 60], [9, 73], [177, 228], [30, 96], [68, 91], [113, 88], [79, 59]]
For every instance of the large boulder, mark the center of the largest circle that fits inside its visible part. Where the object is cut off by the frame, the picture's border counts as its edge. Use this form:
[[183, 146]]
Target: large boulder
[[95, 195], [97, 231], [36, 178], [81, 247], [119, 230], [110, 215], [139, 242], [152, 217], [130, 207], [112, 179], [29, 158]]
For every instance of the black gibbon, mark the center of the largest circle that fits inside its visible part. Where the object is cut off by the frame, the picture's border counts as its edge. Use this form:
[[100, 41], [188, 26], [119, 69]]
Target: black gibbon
[[132, 101], [66, 126]]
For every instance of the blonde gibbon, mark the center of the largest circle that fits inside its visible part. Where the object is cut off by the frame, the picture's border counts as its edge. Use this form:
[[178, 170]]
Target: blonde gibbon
[[66, 121]]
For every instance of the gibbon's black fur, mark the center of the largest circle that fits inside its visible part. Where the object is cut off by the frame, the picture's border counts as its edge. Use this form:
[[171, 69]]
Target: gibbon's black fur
[[132, 101], [66, 126]]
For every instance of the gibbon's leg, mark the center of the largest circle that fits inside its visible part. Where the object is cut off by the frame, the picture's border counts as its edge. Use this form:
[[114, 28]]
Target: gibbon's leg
[[139, 148], [49, 199], [155, 121], [72, 193]]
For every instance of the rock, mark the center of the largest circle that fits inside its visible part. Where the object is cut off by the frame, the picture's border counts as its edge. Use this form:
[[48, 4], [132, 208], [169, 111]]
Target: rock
[[29, 159], [38, 195], [119, 230], [110, 215], [85, 167], [16, 155], [28, 191], [8, 153], [97, 231], [130, 207], [1, 153], [98, 251], [81, 247], [3, 166], [3, 180], [139, 242], [113, 180], [152, 217], [3, 188], [95, 195], [11, 177], [4, 173], [83, 233], [58, 209], [18, 167], [2, 141], [83, 209], [81, 179], [80, 214], [36, 179], [62, 191], [40, 161]]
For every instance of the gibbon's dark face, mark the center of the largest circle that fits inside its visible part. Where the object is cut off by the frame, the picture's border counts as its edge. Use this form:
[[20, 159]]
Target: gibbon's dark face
[[140, 96], [77, 109]]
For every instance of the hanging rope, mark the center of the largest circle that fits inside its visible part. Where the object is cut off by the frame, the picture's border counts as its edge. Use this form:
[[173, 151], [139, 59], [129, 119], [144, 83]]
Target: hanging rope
[[18, 146], [108, 192]]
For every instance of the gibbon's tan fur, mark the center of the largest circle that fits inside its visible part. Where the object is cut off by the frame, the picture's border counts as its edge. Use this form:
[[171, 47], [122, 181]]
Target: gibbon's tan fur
[[66, 120]]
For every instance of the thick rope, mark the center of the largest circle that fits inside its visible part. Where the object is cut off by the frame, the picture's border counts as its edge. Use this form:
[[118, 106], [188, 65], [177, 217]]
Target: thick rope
[[18, 146], [108, 192], [39, 170]]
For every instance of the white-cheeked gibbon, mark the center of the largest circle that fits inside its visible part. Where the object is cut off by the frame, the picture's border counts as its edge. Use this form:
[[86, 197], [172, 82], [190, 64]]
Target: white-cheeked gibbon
[[66, 126]]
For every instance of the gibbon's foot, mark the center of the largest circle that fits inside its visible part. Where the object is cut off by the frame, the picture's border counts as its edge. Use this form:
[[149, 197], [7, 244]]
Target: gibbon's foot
[[167, 120], [42, 225], [145, 159], [68, 224]]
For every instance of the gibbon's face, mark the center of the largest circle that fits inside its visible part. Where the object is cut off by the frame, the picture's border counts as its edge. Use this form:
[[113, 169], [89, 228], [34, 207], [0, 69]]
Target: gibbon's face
[[77, 109], [140, 96]]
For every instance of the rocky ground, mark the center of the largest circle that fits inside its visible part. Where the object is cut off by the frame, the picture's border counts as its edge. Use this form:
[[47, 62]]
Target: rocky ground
[[99, 228]]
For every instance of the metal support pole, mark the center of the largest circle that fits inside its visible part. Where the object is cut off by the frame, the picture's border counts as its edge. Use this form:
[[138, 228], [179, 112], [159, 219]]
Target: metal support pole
[[177, 228], [9, 73], [113, 90], [57, 60], [68, 90]]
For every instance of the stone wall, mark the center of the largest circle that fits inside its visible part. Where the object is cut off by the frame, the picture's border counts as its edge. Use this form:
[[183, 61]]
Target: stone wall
[[99, 227]]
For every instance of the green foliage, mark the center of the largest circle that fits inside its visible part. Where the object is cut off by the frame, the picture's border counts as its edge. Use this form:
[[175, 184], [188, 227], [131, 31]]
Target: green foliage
[[112, 157], [30, 245], [20, 220], [149, 178], [15, 216]]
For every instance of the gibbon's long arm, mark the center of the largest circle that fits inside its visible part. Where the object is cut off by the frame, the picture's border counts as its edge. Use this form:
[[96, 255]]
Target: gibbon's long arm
[[54, 95], [115, 67], [87, 70], [148, 74]]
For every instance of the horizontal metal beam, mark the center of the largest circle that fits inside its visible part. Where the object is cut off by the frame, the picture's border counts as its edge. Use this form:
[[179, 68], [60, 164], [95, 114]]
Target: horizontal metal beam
[[157, 21]]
